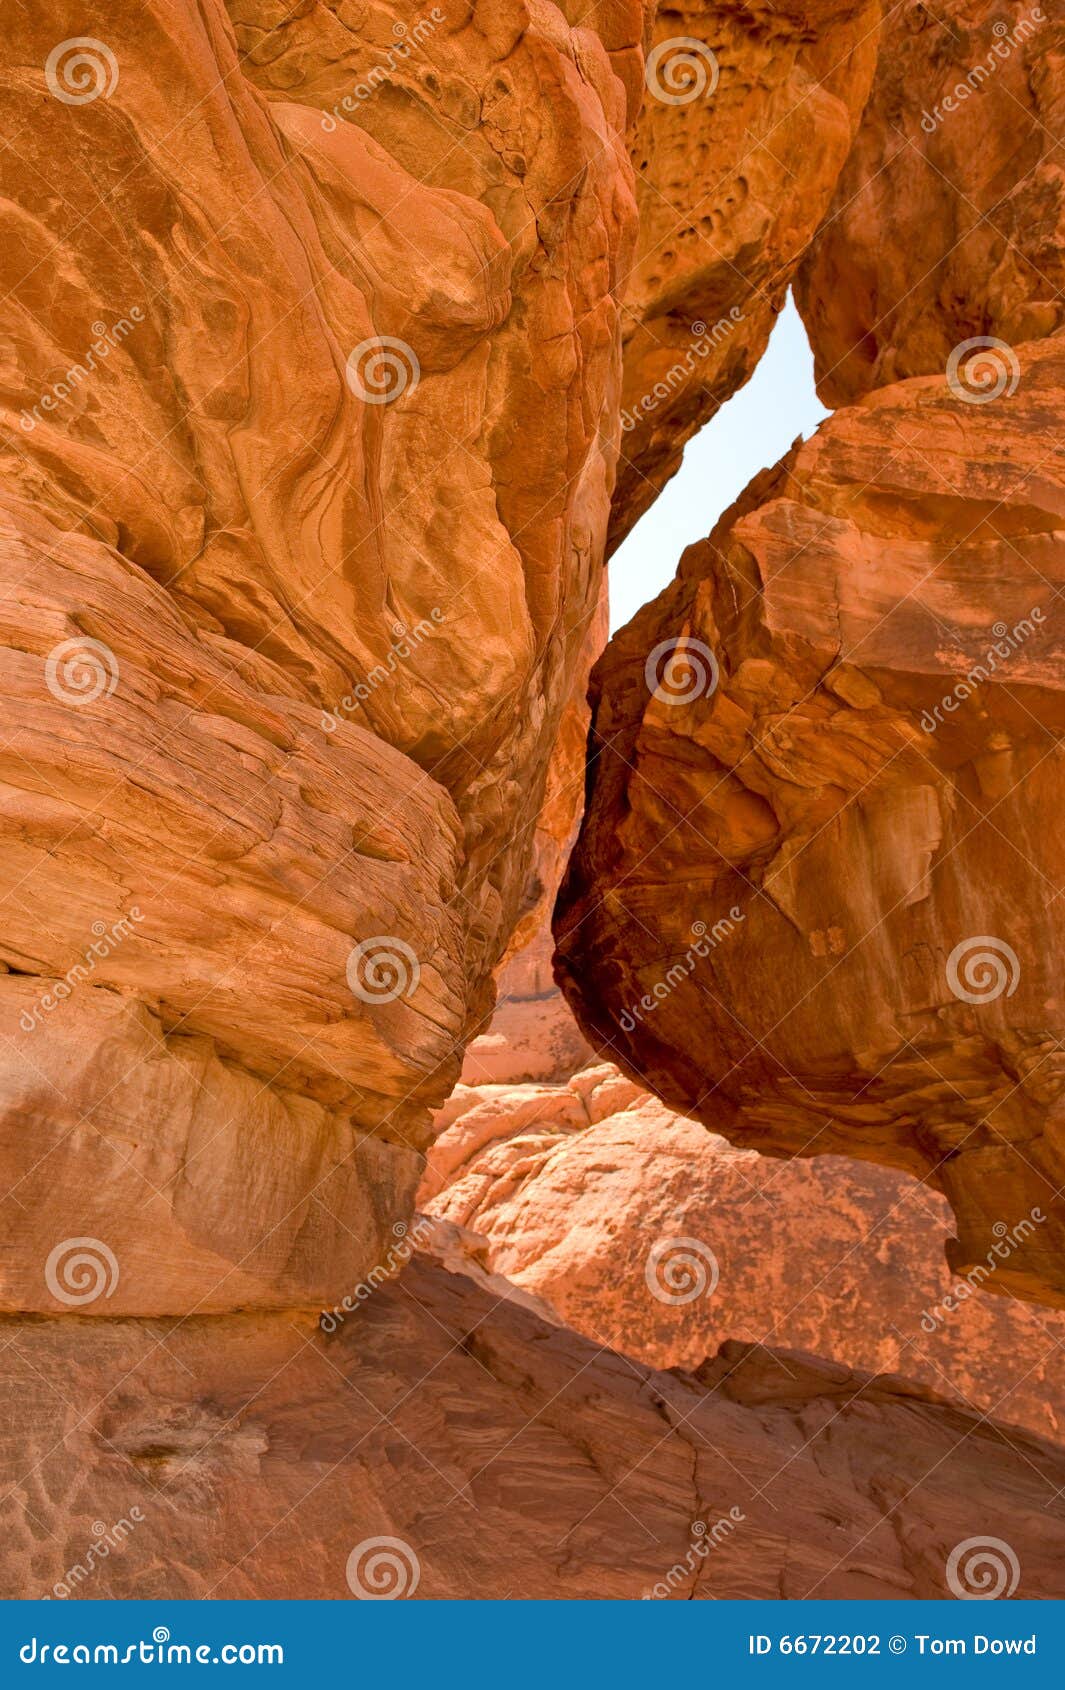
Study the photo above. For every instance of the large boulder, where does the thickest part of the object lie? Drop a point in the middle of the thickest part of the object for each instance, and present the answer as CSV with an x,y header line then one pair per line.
x,y
647,1233
816,898
311,351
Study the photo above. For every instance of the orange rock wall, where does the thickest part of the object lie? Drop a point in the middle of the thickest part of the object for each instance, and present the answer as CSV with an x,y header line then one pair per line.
x,y
814,901
311,374
648,1234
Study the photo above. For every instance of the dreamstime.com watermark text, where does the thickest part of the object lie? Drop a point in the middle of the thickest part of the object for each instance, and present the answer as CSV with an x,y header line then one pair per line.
x,y
399,1253
408,37
1008,40
1007,1240
65,388
706,341
157,1650
1007,641
705,940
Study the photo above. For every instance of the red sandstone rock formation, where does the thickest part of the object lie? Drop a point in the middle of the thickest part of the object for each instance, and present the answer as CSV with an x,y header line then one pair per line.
x,y
311,403
815,899
949,219
508,1457
532,1035
648,1234
749,115
312,363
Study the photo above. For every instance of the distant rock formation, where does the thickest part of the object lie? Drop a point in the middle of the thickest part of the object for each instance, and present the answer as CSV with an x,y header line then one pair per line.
x,y
648,1234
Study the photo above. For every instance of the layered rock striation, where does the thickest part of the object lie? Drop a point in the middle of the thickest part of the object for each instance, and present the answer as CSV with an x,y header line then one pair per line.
x,y
319,329
815,898
447,1442
311,372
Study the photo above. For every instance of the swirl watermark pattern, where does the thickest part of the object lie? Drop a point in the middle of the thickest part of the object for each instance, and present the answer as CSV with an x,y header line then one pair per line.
x,y
381,969
81,70
680,70
80,1270
80,671
382,369
982,369
382,1569
679,1270
982,1569
980,969
680,671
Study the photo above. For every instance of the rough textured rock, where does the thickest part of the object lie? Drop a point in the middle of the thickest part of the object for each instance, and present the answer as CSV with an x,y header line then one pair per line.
x,y
191,1185
555,827
948,222
749,114
566,1190
251,1455
311,361
815,899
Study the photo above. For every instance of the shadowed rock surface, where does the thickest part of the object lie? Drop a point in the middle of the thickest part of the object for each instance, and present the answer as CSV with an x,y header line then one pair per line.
x,y
815,901
510,1458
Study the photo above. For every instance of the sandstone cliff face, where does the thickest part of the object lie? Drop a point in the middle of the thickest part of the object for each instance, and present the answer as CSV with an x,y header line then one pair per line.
x,y
748,116
310,354
311,358
652,1236
814,902
948,222
449,1443
531,1034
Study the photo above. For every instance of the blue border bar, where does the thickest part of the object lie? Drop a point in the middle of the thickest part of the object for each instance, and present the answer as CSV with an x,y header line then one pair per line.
x,y
538,1645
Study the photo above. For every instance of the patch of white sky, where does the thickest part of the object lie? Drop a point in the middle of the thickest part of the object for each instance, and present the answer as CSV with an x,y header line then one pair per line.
x,y
750,432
